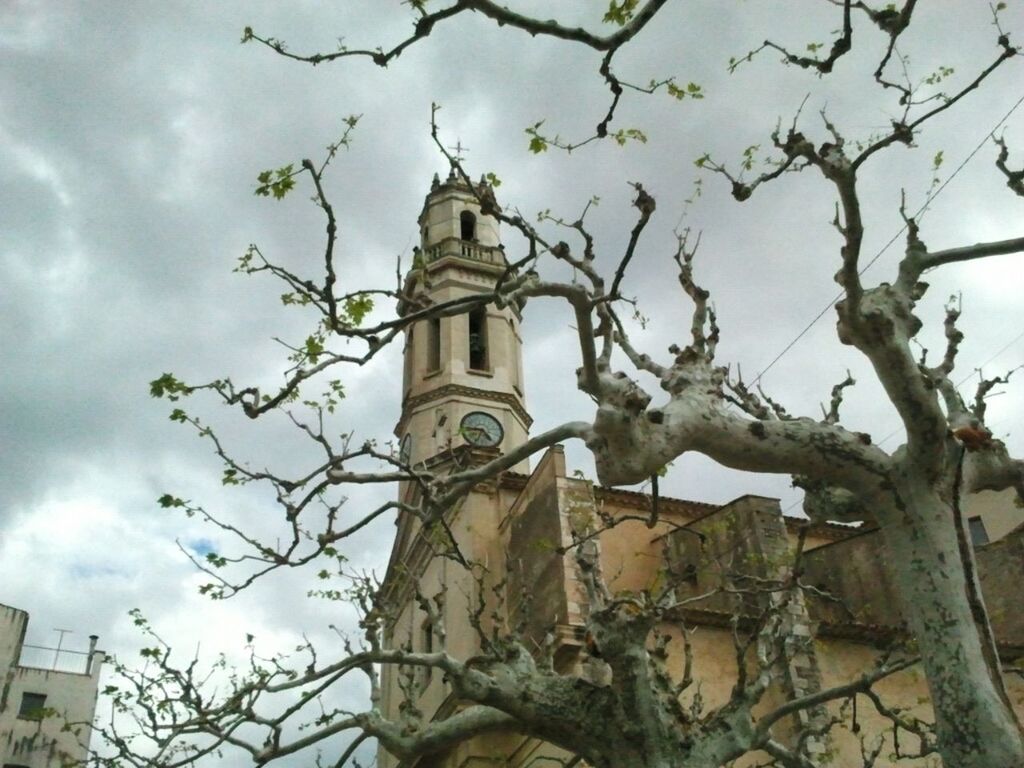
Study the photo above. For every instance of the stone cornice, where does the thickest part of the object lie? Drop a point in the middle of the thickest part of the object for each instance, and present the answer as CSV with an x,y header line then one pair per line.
x,y
449,390
642,501
453,263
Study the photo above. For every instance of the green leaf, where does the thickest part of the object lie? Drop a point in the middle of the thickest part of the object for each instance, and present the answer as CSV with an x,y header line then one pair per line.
x,y
357,307
216,560
748,156
276,182
692,91
620,12
538,143
245,260
626,134
314,348
169,386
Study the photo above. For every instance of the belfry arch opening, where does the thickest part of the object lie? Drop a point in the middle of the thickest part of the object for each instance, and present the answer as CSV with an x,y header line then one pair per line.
x,y
478,339
433,344
467,223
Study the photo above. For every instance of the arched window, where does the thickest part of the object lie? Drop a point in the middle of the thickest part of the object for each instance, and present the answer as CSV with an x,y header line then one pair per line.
x,y
468,222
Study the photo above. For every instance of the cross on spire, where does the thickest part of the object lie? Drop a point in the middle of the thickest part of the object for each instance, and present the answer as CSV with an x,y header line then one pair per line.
x,y
458,149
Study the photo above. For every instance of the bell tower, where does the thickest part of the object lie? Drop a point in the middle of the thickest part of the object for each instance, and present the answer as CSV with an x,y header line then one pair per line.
x,y
462,383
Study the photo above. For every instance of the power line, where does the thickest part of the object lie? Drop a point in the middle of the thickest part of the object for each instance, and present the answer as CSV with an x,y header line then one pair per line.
x,y
892,240
962,381
997,354
878,255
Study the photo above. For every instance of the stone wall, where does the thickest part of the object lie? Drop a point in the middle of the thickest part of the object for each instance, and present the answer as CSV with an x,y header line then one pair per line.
x,y
854,572
1001,569
737,544
537,574
536,571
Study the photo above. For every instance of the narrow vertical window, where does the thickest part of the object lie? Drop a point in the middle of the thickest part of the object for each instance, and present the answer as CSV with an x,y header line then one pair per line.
x,y
434,344
427,636
513,358
478,339
468,224
426,646
979,535
408,362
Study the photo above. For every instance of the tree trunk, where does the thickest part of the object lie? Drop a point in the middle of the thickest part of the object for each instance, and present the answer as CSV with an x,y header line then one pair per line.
x,y
976,726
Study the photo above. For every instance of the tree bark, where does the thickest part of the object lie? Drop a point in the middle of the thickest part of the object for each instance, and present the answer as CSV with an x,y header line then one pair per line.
x,y
975,725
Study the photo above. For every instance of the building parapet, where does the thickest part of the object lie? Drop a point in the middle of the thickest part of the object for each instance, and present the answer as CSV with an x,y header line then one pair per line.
x,y
453,246
57,659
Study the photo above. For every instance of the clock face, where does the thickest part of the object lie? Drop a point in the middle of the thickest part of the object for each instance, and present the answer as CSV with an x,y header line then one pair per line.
x,y
405,451
479,428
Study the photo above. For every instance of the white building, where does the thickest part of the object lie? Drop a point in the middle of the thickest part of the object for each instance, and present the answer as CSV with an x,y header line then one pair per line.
x,y
43,689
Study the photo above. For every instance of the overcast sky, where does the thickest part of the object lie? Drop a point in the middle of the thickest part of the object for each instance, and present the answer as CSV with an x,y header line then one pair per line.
x,y
131,135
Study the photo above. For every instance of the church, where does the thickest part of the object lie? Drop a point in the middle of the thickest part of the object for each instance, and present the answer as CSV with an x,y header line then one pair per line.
x,y
463,403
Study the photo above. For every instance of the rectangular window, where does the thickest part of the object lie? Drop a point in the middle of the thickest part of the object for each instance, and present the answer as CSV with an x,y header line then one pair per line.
x,y
32,705
426,646
478,339
979,535
427,636
514,359
434,344
408,366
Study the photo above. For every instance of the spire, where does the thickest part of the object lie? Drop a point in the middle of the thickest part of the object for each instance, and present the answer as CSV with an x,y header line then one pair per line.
x,y
463,379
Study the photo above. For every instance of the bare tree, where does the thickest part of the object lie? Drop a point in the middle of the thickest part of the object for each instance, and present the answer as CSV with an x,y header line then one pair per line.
x,y
913,494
